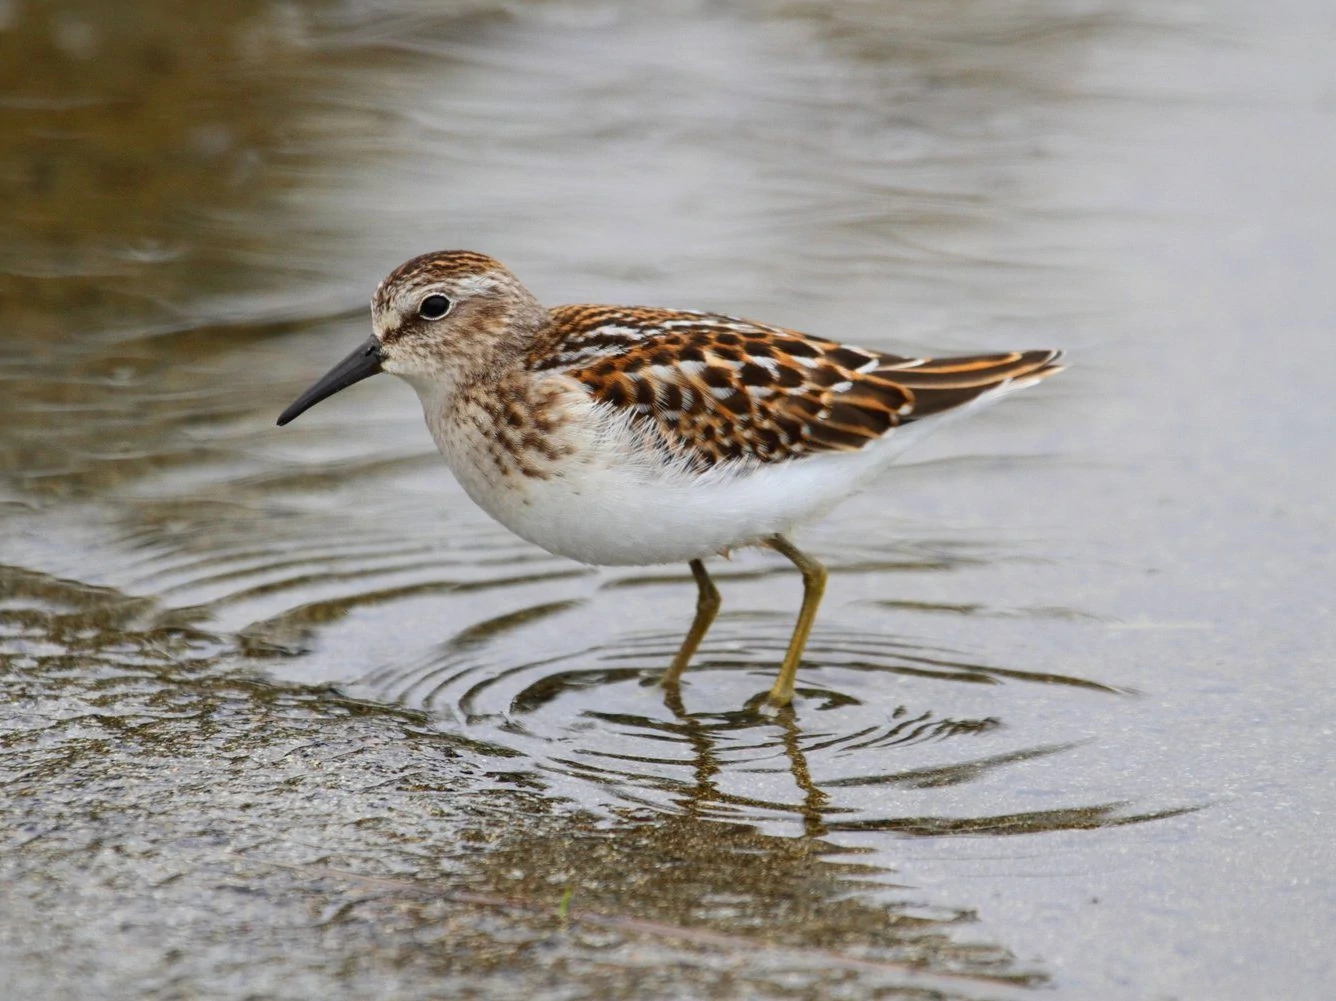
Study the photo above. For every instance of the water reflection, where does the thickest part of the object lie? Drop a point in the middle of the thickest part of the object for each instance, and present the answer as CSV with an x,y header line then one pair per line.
x,y
761,902
866,749
101,700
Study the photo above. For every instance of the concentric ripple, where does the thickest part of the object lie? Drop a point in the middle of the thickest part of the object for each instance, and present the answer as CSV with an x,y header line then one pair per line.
x,y
885,732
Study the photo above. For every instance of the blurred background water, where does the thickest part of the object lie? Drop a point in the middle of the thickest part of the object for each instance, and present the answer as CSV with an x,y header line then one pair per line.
x,y
282,715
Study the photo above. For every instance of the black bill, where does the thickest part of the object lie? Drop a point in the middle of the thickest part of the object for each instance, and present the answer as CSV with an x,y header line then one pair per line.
x,y
361,364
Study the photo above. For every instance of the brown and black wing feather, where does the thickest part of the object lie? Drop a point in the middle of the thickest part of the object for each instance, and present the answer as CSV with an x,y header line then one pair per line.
x,y
715,389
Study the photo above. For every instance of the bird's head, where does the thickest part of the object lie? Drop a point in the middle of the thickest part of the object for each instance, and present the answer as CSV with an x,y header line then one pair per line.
x,y
437,320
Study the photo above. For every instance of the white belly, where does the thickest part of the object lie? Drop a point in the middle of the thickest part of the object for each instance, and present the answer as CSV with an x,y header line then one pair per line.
x,y
610,516
602,511
606,504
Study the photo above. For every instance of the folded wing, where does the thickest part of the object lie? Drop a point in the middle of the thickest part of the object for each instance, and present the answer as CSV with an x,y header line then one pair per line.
x,y
711,389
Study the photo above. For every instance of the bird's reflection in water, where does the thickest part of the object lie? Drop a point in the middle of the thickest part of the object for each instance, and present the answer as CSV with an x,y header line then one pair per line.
x,y
691,846
864,746
705,765
821,815
696,806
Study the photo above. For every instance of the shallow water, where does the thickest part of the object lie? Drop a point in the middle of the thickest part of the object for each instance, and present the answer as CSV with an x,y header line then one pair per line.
x,y
283,715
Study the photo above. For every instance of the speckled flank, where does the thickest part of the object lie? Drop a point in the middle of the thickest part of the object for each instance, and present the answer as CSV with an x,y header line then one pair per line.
x,y
520,426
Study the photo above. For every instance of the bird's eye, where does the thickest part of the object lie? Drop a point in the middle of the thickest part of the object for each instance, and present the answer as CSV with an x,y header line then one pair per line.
x,y
433,307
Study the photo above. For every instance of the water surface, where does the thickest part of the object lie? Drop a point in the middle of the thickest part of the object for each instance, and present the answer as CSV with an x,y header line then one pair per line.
x,y
283,715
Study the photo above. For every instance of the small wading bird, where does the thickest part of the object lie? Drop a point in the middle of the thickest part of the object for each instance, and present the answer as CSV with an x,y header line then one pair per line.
x,y
628,436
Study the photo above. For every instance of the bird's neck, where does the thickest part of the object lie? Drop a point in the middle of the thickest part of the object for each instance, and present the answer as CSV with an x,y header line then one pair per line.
x,y
544,340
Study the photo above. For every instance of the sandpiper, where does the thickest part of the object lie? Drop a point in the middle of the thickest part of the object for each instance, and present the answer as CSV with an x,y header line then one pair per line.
x,y
631,436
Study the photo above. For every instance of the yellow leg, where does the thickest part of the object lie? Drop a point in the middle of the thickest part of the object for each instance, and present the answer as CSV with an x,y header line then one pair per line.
x,y
814,586
707,606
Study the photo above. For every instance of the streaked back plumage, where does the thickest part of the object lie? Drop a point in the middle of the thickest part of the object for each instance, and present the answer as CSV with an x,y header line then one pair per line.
x,y
718,389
